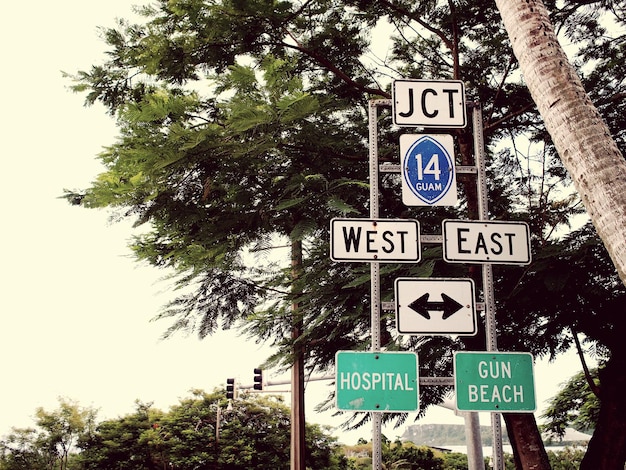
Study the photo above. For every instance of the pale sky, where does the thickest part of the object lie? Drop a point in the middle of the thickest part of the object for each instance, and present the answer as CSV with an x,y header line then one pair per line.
x,y
74,307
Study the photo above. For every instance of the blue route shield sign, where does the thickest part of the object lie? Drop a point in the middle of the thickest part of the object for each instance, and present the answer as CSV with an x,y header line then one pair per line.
x,y
428,174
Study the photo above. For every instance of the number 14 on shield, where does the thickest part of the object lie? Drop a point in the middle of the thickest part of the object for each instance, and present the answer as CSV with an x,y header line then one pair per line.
x,y
428,175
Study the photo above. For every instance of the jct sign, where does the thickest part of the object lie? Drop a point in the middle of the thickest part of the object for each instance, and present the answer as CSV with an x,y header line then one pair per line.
x,y
429,103
493,381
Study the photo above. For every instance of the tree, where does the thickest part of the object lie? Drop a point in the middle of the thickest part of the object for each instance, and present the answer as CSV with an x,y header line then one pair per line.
x,y
201,432
575,405
125,442
62,428
52,442
582,138
567,459
409,456
404,455
597,167
242,122
20,450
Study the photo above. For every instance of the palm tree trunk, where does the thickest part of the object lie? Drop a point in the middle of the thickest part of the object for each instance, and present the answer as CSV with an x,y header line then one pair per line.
x,y
581,137
598,170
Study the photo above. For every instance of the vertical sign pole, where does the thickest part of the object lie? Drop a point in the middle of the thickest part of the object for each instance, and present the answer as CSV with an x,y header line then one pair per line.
x,y
490,314
375,272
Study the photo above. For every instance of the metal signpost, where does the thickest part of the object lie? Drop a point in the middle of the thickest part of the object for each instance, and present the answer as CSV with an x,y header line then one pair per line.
x,y
376,381
375,307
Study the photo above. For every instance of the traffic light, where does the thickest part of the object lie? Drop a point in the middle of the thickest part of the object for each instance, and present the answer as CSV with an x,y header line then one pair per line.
x,y
258,379
231,388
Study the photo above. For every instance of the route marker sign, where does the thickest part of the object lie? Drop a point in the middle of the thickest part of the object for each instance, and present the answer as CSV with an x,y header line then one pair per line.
x,y
427,166
390,240
429,103
477,241
494,381
435,306
376,381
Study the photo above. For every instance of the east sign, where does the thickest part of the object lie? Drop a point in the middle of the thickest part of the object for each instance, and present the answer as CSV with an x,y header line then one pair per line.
x,y
475,241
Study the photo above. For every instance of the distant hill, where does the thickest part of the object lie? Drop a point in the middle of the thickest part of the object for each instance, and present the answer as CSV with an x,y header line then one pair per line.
x,y
446,435
454,435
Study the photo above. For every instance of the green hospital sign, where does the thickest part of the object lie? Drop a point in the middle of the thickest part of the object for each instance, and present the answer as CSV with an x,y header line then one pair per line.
x,y
376,381
494,381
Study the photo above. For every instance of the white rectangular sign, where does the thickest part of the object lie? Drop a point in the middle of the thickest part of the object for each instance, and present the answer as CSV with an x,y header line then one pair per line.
x,y
432,306
429,103
390,240
475,241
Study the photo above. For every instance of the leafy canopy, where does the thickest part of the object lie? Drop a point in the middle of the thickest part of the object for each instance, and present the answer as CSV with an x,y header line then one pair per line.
x,y
244,125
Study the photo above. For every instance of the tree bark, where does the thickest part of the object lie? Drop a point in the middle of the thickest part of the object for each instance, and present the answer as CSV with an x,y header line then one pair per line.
x,y
607,448
598,170
581,137
528,450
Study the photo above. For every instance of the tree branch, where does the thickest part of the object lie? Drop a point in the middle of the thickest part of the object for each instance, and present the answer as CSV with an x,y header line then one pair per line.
x,y
592,385
328,65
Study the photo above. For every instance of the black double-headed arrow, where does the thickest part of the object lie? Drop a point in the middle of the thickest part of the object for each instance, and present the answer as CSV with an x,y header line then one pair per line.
x,y
448,306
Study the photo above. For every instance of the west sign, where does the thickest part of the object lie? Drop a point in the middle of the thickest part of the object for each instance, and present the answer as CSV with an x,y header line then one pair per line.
x,y
368,240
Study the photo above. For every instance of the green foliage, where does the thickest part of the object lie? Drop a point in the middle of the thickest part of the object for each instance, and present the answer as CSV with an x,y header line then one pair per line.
x,y
409,456
243,123
200,432
51,443
575,405
131,441
406,455
400,455
23,450
455,461
568,459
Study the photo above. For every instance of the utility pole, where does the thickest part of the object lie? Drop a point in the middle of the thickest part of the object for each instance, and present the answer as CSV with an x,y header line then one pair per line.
x,y
297,369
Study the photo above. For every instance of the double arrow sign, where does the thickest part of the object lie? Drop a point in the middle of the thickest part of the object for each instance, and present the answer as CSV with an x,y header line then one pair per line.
x,y
431,306
448,306
419,310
